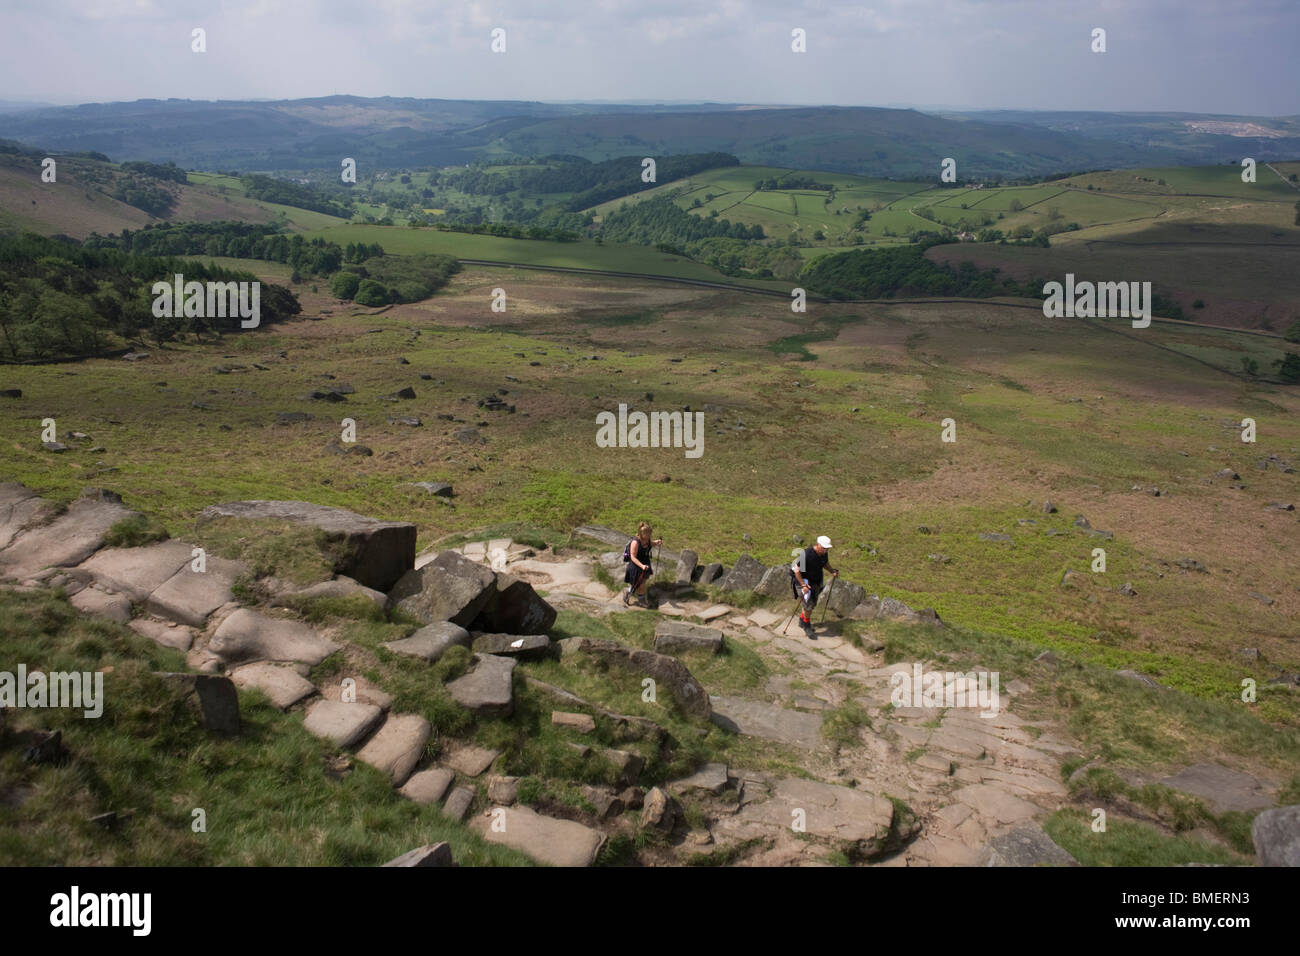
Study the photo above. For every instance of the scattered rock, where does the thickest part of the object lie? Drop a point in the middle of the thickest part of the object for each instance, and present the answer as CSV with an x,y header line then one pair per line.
x,y
745,576
431,641
213,699
1277,836
435,854
525,647
471,761
439,488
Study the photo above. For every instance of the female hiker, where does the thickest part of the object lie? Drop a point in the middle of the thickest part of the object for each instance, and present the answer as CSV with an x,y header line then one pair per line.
x,y
638,573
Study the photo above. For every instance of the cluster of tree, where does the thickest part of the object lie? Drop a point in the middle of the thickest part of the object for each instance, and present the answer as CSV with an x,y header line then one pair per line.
x,y
384,279
59,299
269,189
145,193
739,257
792,182
595,183
169,171
662,220
237,240
477,182
904,271
509,230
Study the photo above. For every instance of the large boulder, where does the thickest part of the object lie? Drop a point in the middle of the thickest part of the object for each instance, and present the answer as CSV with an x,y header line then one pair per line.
x,y
711,573
515,608
431,642
375,553
844,597
686,566
248,636
673,636
667,671
775,583
1277,836
451,587
745,576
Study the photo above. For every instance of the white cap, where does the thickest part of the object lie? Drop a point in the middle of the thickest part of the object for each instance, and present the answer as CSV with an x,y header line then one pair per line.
x,y
824,541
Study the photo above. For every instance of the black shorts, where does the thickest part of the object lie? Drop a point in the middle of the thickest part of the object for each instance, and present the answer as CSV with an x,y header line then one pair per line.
x,y
633,574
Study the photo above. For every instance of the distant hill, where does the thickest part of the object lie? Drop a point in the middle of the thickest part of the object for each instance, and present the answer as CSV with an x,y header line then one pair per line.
x,y
391,133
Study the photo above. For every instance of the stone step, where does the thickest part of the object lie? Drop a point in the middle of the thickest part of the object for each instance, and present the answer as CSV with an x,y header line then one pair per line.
x,y
396,746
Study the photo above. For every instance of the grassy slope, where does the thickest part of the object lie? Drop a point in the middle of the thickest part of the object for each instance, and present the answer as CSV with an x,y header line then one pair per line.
x,y
1006,375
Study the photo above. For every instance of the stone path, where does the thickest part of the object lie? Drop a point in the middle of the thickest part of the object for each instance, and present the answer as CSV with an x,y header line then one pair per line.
x,y
978,782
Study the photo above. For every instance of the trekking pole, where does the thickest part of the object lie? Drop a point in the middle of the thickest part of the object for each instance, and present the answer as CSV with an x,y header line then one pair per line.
x,y
827,606
792,614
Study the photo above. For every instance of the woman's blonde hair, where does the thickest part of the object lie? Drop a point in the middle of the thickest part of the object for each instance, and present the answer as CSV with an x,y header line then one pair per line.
x,y
643,530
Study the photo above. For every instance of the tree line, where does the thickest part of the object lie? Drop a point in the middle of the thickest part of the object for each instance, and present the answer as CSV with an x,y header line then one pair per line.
x,y
60,299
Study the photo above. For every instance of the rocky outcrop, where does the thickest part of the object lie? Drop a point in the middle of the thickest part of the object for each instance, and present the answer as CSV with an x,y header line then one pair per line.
x,y
375,553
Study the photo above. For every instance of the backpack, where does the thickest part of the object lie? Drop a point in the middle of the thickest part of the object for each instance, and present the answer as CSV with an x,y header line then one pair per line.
x,y
627,550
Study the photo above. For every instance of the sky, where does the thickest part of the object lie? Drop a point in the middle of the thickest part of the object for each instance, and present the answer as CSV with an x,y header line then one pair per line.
x,y
1203,56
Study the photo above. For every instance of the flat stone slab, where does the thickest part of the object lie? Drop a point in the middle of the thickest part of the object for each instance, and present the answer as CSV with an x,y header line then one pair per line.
x,y
340,587
115,607
247,636
994,804
190,596
68,540
283,685
172,635
138,572
714,612
488,688
428,786
758,719
435,854
20,509
471,761
345,725
431,641
762,617
512,645
829,812
1024,846
712,777
397,745
360,691
673,636
1221,788
545,839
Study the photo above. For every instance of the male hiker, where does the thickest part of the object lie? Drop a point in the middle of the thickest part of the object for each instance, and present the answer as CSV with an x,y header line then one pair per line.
x,y
807,570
